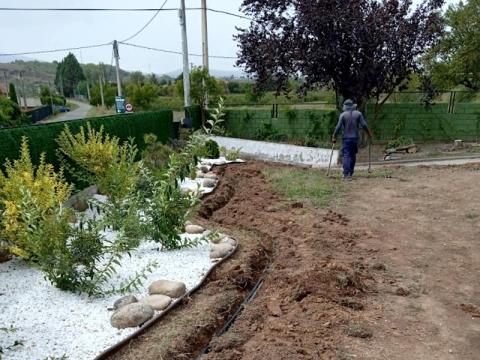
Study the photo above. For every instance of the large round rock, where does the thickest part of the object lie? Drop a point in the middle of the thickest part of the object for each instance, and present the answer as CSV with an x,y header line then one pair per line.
x,y
194,229
220,250
129,299
209,183
157,302
131,315
173,289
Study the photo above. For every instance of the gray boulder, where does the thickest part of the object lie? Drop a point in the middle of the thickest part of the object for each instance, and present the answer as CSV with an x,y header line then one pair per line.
x,y
125,300
230,241
131,315
157,302
173,289
220,250
209,183
211,175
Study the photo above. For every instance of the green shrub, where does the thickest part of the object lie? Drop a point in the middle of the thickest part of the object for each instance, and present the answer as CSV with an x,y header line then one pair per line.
x,y
269,133
32,198
165,206
399,142
35,226
42,137
232,154
100,159
210,150
156,155
10,113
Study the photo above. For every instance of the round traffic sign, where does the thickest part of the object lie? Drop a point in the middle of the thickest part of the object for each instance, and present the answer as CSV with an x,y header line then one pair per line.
x,y
128,107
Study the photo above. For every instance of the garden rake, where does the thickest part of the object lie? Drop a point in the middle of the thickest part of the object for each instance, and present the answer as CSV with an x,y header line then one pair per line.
x,y
330,163
370,155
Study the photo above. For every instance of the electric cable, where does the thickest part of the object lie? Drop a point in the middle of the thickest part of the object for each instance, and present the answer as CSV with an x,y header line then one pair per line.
x,y
56,50
176,52
146,25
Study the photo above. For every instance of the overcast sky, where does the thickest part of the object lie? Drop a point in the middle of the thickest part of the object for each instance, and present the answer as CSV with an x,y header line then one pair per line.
x,y
30,31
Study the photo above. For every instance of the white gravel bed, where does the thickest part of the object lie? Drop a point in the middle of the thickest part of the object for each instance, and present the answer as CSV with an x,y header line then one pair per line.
x,y
51,322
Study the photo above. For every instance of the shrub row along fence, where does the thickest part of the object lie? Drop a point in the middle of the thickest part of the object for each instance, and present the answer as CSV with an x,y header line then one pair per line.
x,y
439,122
42,138
314,127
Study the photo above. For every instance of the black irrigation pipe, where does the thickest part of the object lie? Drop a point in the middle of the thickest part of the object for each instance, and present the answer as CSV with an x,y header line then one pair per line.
x,y
114,348
251,295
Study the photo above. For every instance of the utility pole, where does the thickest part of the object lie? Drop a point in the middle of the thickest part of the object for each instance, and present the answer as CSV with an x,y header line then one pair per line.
x,y
100,81
51,97
117,57
6,82
23,91
88,90
204,35
186,72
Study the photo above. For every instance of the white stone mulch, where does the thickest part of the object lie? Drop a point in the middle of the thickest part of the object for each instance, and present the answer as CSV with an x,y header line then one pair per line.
x,y
54,323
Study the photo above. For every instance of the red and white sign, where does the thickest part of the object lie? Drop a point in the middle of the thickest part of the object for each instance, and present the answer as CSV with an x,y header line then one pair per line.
x,y
129,107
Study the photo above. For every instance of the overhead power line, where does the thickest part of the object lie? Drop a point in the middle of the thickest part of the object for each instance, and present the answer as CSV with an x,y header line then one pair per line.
x,y
86,9
148,23
57,50
175,52
124,10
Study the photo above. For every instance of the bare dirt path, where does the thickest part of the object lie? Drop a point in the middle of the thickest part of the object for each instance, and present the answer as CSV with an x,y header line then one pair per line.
x,y
425,224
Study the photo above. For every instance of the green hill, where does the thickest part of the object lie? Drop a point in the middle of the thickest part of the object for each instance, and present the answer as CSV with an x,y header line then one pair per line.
x,y
36,73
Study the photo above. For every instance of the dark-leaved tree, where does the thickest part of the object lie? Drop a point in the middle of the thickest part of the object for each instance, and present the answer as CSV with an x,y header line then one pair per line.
x,y
69,74
360,48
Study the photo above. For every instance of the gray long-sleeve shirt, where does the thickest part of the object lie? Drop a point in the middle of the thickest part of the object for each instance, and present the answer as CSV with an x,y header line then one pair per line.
x,y
350,121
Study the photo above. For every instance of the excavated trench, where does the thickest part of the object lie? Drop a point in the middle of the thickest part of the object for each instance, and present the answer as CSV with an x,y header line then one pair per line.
x,y
273,297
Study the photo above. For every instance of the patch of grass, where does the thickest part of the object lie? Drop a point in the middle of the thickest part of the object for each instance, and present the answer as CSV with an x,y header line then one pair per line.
x,y
414,309
305,185
375,173
358,330
471,216
71,105
97,111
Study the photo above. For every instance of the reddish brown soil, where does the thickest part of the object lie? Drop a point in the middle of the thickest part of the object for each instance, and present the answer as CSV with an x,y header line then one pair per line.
x,y
389,273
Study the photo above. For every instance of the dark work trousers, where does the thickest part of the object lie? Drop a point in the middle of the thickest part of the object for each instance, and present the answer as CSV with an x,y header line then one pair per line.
x,y
349,150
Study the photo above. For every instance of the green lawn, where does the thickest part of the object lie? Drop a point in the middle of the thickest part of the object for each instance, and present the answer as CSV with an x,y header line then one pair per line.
x,y
306,185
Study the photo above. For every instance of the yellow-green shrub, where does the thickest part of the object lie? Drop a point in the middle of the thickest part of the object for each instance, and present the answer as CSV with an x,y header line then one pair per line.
x,y
100,159
30,197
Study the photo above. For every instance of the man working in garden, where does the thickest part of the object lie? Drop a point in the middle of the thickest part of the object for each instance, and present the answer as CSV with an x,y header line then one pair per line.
x,y
350,120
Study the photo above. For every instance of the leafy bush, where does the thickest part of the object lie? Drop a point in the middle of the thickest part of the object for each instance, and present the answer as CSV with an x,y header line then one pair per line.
x,y
156,155
399,142
217,115
31,198
232,154
210,150
269,133
10,113
100,159
47,98
165,206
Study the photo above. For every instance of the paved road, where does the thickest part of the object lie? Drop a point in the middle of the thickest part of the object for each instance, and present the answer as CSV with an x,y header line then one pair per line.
x,y
79,113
